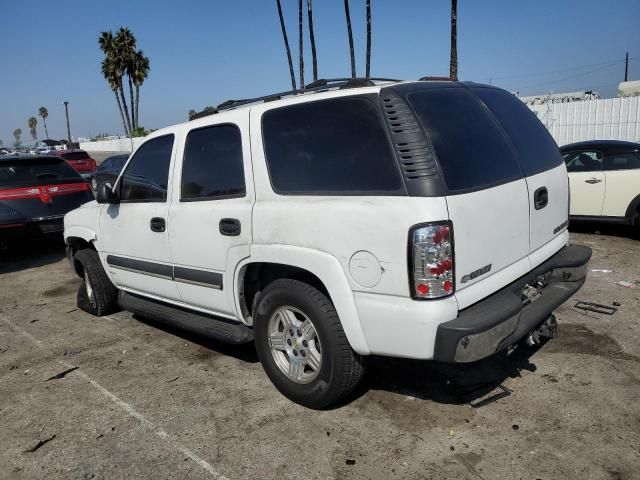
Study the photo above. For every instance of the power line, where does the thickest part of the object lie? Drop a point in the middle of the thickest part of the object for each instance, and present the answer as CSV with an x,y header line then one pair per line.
x,y
582,74
548,72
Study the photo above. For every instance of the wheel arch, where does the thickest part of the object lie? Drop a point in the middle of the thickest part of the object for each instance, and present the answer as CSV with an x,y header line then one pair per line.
x,y
78,238
633,208
320,269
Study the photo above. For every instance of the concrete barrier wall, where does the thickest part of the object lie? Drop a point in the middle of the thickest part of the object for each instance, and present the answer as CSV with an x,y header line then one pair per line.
x,y
602,119
118,145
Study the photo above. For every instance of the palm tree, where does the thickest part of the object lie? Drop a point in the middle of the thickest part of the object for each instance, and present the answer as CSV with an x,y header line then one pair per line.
x,y
116,65
286,46
453,65
368,62
350,32
32,122
300,44
312,39
141,67
16,134
109,73
44,113
126,44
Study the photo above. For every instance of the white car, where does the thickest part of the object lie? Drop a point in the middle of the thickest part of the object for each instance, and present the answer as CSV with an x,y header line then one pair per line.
x,y
604,177
424,219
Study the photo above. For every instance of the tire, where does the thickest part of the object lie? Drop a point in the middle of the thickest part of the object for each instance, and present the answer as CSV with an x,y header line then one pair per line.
x,y
339,368
94,184
635,228
96,295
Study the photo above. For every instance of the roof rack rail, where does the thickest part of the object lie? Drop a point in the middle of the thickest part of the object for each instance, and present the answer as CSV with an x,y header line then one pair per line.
x,y
318,85
441,79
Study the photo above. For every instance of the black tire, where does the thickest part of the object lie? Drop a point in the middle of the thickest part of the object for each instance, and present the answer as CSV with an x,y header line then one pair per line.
x,y
635,227
341,368
103,298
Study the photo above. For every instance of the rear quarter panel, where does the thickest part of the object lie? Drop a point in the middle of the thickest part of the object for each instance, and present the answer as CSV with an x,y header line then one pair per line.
x,y
622,186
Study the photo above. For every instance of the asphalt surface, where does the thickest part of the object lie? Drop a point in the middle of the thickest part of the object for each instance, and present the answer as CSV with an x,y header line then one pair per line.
x,y
120,397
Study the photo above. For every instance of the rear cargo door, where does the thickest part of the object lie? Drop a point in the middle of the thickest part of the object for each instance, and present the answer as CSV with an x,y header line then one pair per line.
x,y
487,194
541,163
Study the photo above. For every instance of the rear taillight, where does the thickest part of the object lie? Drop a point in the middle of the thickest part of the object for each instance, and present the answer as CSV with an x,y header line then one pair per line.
x,y
431,260
44,193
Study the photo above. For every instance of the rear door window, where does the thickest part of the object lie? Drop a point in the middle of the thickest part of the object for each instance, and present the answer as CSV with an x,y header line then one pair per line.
x,y
622,161
472,151
213,166
535,147
326,147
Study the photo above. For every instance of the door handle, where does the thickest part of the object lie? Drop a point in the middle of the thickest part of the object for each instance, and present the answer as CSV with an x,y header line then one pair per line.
x,y
230,227
158,224
592,181
540,198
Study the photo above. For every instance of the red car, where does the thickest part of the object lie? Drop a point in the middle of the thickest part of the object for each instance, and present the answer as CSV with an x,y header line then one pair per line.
x,y
78,159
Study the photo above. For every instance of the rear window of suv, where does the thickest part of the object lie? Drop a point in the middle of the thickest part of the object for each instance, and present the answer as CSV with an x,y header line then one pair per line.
x,y
472,151
27,172
337,146
535,147
75,156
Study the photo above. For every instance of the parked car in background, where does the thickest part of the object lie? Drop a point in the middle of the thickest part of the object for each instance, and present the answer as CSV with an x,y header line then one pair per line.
x,y
108,170
35,194
604,178
425,220
43,150
78,159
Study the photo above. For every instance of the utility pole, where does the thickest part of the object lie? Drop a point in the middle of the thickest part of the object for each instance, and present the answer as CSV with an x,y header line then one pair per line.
x,y
66,111
626,66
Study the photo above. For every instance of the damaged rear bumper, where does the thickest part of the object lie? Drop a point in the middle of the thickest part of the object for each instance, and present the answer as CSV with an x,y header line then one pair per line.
x,y
510,314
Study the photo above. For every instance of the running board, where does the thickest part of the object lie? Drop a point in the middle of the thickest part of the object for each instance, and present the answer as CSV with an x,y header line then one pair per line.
x,y
203,324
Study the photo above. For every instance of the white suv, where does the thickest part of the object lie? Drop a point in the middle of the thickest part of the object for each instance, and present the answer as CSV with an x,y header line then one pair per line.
x,y
422,219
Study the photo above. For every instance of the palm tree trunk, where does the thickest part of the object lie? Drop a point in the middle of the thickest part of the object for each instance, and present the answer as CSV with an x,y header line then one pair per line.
x,y
286,46
44,120
368,62
312,39
300,44
350,32
137,104
453,66
124,107
124,123
133,118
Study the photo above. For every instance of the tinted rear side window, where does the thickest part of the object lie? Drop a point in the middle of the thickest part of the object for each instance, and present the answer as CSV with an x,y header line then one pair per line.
x,y
34,172
330,146
535,147
471,150
622,161
213,166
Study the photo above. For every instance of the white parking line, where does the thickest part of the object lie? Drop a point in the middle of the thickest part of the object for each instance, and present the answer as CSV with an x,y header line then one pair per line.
x,y
160,432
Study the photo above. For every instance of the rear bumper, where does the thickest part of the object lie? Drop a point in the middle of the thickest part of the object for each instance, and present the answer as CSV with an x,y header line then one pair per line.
x,y
504,318
32,227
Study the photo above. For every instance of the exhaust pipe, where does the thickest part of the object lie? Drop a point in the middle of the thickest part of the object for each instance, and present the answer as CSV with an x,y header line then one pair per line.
x,y
547,329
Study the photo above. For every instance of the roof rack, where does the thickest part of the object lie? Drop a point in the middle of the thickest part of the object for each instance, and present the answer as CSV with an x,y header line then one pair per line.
x,y
322,84
441,79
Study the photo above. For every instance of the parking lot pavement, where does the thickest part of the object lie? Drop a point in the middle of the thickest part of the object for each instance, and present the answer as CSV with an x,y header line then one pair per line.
x,y
120,397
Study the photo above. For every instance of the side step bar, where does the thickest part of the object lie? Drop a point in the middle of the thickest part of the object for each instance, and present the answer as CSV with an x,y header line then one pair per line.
x,y
203,324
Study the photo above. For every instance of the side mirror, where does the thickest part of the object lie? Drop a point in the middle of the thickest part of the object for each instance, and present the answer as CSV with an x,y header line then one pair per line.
x,y
106,194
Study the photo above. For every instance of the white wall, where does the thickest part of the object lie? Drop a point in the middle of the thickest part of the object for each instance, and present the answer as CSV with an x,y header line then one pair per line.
x,y
117,145
602,119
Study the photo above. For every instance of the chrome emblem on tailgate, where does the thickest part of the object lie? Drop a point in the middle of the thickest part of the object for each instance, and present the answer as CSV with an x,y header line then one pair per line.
x,y
476,273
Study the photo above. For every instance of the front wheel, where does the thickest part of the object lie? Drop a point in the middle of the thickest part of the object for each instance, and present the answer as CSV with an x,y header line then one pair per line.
x,y
302,346
96,295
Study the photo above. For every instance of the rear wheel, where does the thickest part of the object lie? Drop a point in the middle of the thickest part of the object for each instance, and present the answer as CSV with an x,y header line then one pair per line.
x,y
94,184
302,346
96,295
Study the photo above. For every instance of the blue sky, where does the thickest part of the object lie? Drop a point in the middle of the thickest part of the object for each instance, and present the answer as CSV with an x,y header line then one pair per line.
x,y
204,52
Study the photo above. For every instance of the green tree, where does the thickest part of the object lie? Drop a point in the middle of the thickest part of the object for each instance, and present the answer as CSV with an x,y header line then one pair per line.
x,y
191,113
140,72
110,74
44,113
352,55
32,123
286,45
115,63
17,133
